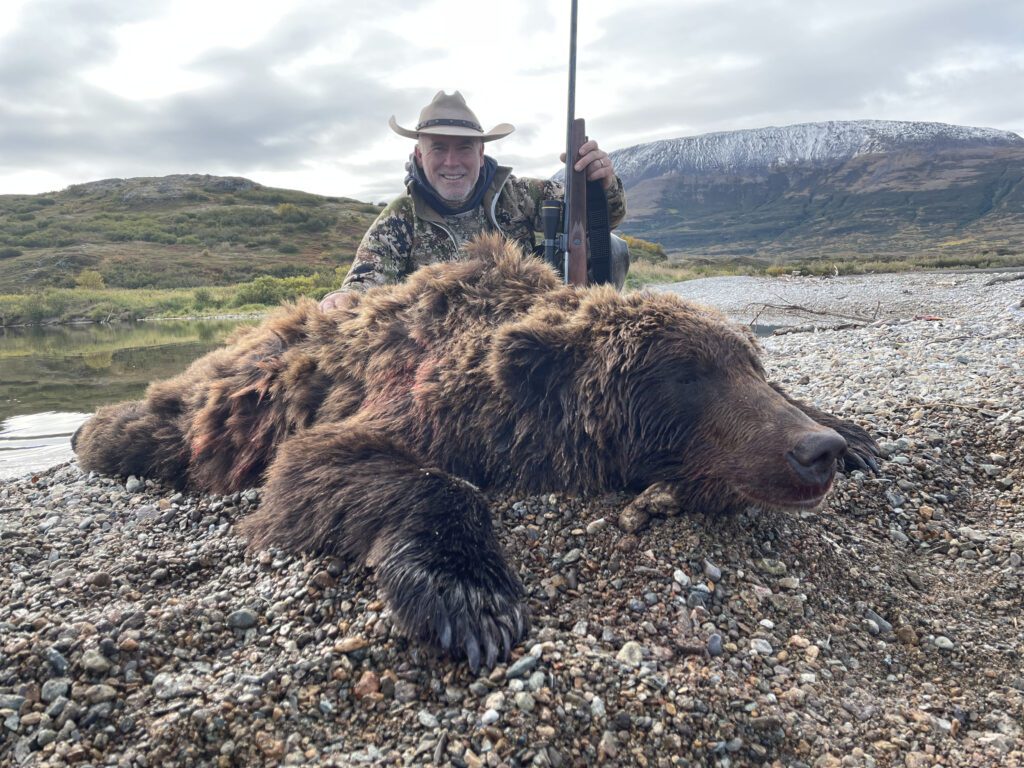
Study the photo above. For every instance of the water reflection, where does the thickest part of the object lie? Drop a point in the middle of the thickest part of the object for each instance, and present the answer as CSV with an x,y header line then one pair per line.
x,y
52,377
37,441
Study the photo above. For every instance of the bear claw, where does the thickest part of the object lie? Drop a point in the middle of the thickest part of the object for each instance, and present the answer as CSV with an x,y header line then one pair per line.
x,y
481,621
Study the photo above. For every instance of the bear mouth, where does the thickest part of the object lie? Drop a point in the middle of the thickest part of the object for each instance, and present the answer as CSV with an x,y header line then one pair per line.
x,y
790,497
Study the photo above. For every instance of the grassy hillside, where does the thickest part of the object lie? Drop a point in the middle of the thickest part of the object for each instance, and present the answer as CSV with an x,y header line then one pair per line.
x,y
173,232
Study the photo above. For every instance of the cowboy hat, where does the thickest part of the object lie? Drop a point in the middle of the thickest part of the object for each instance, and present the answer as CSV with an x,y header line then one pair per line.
x,y
449,116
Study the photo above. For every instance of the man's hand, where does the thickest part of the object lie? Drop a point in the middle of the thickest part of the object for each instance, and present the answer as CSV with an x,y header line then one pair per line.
x,y
596,162
337,300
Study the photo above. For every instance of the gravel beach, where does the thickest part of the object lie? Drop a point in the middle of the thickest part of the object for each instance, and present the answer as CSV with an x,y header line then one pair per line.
x,y
884,629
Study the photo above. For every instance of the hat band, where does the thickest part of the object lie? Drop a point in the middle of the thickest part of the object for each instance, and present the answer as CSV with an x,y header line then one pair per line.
x,y
451,122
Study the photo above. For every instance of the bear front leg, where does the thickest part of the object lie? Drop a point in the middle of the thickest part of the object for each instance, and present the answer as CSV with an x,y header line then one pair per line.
x,y
861,449
428,535
133,438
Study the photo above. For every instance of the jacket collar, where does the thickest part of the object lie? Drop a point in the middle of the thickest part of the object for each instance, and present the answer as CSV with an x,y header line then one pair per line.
x,y
424,211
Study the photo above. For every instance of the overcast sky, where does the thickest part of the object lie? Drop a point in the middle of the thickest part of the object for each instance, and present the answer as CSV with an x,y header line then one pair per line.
x,y
297,94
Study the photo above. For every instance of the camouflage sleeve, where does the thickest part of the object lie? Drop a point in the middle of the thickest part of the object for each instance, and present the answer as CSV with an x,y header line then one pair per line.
x,y
539,190
384,255
616,203
533,193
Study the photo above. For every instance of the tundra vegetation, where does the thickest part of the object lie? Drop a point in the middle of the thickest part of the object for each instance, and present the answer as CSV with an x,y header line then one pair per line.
x,y
177,246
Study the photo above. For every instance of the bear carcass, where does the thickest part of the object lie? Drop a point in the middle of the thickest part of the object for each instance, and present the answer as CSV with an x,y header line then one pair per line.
x,y
374,428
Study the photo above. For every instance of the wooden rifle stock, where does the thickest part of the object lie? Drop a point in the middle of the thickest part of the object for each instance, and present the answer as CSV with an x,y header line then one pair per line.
x,y
576,208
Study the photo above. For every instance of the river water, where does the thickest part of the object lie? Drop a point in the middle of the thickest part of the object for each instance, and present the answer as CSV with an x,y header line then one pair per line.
x,y
52,378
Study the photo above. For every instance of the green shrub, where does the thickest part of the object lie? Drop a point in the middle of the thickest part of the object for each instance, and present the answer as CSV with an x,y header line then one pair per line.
x,y
10,253
202,298
89,278
290,212
643,250
273,290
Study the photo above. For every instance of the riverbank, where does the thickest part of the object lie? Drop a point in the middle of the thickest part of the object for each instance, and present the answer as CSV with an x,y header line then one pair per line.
x,y
64,306
881,630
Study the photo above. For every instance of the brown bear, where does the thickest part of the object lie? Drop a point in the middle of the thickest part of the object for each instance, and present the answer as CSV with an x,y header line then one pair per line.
x,y
373,428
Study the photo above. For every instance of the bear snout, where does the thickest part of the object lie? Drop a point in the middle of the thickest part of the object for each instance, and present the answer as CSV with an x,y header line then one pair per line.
x,y
814,458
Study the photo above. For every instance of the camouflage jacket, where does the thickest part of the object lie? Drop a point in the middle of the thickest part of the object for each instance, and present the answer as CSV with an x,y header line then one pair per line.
x,y
409,234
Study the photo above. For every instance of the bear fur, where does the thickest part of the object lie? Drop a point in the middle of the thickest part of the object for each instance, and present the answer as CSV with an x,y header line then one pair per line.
x,y
373,428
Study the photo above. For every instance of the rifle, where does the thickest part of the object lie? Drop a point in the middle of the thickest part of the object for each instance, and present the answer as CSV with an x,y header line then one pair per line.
x,y
579,226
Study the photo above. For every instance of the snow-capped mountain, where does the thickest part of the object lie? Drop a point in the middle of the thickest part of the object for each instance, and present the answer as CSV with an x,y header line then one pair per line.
x,y
873,188
827,142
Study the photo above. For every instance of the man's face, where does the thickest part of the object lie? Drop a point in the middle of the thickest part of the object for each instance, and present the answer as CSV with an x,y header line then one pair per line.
x,y
452,164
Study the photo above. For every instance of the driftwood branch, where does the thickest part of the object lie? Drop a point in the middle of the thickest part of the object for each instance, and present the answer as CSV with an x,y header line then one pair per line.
x,y
797,309
1006,278
963,406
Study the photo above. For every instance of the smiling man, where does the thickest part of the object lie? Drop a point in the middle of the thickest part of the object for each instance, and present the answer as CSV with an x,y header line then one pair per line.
x,y
453,192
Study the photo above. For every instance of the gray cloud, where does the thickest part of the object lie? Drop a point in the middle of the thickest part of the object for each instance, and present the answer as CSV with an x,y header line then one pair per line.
x,y
800,62
669,69
250,118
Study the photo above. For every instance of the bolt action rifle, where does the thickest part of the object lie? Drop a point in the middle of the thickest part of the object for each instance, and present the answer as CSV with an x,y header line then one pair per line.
x,y
577,235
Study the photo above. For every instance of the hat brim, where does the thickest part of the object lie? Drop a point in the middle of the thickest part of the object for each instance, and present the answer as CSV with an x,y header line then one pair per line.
x,y
499,131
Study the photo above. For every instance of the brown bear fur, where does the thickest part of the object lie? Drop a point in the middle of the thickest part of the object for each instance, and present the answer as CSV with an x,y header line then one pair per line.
x,y
373,427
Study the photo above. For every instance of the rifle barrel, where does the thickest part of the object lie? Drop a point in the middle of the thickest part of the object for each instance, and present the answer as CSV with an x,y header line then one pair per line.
x,y
570,159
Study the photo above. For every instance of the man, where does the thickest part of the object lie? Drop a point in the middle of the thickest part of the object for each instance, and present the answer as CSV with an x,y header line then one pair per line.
x,y
454,192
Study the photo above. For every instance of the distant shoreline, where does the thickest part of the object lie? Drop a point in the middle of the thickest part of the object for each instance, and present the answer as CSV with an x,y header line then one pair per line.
x,y
659,285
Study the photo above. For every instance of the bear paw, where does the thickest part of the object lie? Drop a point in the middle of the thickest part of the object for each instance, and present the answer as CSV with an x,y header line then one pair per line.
x,y
861,449
473,610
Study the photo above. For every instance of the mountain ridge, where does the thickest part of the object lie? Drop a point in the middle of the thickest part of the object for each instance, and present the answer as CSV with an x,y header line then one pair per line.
x,y
862,190
832,140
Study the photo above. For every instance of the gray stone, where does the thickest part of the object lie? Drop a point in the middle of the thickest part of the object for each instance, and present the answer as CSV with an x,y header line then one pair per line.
x,y
521,666
95,662
168,686
45,736
882,624
57,661
427,720
525,701
490,717
715,647
631,653
243,618
54,688
11,701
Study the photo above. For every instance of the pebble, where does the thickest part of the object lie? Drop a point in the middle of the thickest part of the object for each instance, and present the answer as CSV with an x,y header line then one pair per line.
x,y
427,720
57,661
95,662
11,701
490,717
52,689
881,624
99,579
521,666
525,701
243,618
631,654
761,646
715,646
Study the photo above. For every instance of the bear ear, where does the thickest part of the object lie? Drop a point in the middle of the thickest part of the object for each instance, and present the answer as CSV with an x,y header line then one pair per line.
x,y
529,361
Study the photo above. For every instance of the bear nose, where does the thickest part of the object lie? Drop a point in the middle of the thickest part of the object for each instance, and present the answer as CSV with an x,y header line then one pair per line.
x,y
813,458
